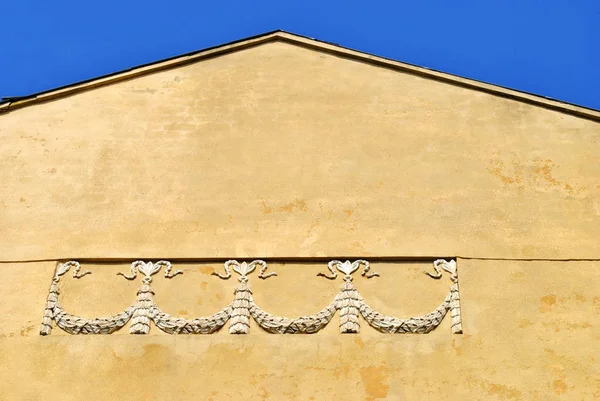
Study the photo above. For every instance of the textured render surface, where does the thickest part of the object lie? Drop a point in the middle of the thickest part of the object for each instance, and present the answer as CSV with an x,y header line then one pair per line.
x,y
528,336
281,151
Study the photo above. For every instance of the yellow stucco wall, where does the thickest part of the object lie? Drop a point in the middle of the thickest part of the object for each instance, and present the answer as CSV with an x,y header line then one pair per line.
x,y
283,152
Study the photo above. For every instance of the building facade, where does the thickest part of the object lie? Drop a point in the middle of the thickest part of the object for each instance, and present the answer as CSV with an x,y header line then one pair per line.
x,y
295,153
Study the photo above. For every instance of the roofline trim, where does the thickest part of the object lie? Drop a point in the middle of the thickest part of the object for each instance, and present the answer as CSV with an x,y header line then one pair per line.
x,y
311,43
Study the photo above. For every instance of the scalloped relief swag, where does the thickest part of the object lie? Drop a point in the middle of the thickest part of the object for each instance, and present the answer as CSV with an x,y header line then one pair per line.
x,y
348,302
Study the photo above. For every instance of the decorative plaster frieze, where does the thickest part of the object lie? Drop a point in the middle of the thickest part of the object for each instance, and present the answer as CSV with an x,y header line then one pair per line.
x,y
348,302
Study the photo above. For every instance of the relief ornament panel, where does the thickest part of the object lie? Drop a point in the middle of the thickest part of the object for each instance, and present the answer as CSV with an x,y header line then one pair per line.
x,y
348,302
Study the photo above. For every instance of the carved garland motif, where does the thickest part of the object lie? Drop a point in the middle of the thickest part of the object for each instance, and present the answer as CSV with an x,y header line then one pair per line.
x,y
348,302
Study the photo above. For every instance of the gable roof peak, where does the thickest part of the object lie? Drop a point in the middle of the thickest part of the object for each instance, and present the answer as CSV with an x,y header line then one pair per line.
x,y
11,103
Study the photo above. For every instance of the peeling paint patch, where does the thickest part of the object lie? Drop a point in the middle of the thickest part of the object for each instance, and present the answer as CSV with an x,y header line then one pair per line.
x,y
537,173
559,386
524,323
497,169
342,369
264,393
504,392
374,380
207,269
544,171
299,205
547,302
557,325
456,346
25,330
158,353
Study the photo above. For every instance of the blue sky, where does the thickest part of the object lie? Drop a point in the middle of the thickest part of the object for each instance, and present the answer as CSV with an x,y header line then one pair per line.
x,y
546,47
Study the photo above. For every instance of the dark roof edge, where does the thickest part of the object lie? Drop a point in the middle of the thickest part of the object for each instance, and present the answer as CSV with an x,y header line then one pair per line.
x,y
112,74
11,103
450,78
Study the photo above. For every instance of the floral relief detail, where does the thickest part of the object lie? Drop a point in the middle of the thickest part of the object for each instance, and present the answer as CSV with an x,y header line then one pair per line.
x,y
350,304
75,324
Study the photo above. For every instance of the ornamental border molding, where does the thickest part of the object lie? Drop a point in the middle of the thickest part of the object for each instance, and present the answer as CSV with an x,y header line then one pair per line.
x,y
348,302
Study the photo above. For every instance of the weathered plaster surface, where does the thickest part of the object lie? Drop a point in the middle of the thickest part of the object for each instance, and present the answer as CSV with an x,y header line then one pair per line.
x,y
280,151
283,151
